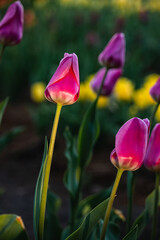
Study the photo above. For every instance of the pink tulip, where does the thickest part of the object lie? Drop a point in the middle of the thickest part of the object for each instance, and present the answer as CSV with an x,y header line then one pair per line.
x,y
130,145
155,91
113,56
109,83
11,26
152,158
64,86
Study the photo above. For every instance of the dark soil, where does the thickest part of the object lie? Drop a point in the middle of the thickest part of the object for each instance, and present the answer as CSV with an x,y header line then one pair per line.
x,y
21,160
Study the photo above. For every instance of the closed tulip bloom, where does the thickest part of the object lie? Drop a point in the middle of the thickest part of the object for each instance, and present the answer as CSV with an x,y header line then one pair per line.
x,y
109,83
155,91
113,56
130,144
152,158
11,26
64,86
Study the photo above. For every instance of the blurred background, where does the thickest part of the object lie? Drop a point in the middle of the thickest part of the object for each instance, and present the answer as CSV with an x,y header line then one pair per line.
x,y
51,28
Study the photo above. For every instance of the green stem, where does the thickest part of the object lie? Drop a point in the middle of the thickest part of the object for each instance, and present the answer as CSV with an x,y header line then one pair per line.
x,y
131,186
154,223
2,51
110,203
47,172
75,203
153,114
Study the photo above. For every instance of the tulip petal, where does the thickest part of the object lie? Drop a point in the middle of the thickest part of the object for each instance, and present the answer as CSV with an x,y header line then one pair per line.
x,y
155,91
11,26
113,56
152,158
131,143
63,87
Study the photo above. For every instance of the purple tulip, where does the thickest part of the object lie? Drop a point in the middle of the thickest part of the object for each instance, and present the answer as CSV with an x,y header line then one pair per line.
x,y
130,145
11,26
113,56
64,86
155,91
152,158
109,83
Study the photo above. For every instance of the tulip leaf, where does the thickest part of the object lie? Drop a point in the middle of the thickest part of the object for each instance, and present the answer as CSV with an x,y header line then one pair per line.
x,y
89,222
92,201
38,192
3,105
113,231
132,235
71,175
12,228
88,133
9,136
52,225
147,213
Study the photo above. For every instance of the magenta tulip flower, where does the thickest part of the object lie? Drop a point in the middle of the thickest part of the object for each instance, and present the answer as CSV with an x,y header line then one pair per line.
x,y
152,158
113,56
11,26
155,91
109,83
64,86
130,144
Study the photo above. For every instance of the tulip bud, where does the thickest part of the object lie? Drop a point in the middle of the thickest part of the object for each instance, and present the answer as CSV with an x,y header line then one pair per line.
x,y
155,91
11,26
64,86
131,144
152,158
109,83
113,56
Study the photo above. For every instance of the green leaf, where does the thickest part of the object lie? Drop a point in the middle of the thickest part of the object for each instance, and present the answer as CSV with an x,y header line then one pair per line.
x,y
142,221
9,136
92,201
12,228
89,222
3,105
52,226
132,235
38,192
88,134
113,231
71,176
144,217
150,202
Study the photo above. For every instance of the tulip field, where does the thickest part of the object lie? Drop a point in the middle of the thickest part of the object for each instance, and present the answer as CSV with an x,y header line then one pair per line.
x,y
80,120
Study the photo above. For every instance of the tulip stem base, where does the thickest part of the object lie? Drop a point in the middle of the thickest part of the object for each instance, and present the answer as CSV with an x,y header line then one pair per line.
x,y
154,223
2,51
110,203
47,172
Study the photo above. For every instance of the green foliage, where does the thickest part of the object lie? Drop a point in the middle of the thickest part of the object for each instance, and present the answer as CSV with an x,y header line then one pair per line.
x,y
89,222
52,225
88,134
9,136
92,201
38,192
70,178
12,228
132,235
3,105
147,213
